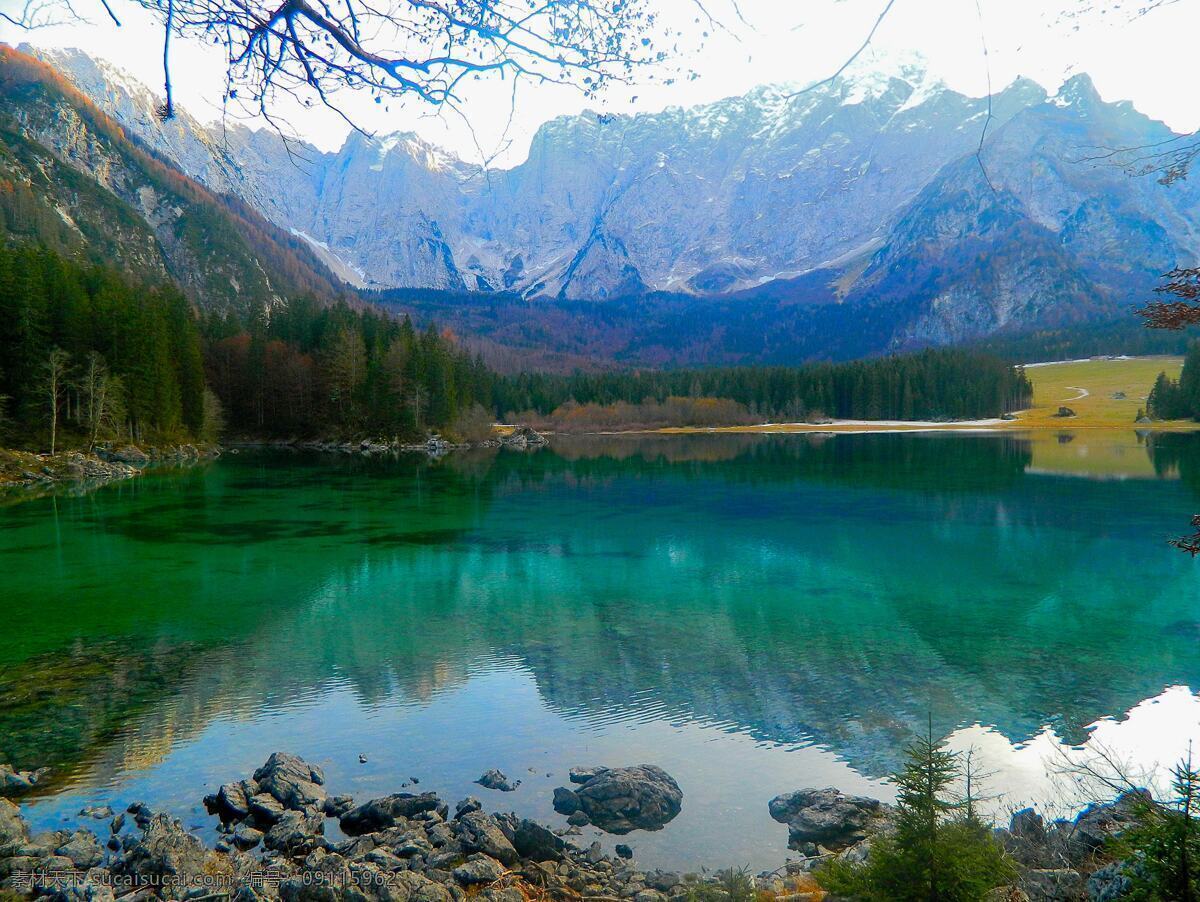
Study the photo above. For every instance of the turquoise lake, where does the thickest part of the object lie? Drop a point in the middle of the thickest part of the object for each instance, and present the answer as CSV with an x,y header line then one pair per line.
x,y
755,614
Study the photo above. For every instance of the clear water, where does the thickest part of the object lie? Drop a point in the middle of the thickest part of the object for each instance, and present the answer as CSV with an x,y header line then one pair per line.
x,y
754,614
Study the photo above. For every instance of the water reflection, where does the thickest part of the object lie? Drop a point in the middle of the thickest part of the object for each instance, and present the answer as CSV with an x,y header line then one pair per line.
x,y
755,613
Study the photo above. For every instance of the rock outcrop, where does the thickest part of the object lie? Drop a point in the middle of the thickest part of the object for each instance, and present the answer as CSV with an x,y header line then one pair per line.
x,y
622,799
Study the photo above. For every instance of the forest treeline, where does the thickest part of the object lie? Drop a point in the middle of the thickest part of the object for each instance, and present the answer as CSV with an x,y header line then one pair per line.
x,y
943,384
1178,399
88,353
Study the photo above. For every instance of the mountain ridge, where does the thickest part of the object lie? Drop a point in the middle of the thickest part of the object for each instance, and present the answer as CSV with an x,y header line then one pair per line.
x,y
861,217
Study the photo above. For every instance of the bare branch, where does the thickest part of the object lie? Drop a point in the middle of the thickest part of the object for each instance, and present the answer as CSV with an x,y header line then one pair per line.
x,y
855,55
987,65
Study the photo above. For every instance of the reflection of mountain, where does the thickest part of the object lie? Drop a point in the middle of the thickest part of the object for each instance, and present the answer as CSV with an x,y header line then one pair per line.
x,y
798,589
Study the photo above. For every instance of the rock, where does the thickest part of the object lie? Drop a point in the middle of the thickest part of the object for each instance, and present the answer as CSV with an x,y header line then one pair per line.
x,y
494,779
12,780
825,816
232,801
1052,884
117,823
295,833
83,849
265,808
480,833
1109,883
98,812
578,819
14,832
624,851
663,881
245,837
594,854
1027,824
1093,826
565,800
129,454
165,852
467,805
295,784
478,869
535,843
1006,894
524,437
649,895
380,813
581,775
336,806
621,799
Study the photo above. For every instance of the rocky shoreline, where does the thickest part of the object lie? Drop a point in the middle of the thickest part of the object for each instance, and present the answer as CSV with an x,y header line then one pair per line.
x,y
520,438
106,463
412,846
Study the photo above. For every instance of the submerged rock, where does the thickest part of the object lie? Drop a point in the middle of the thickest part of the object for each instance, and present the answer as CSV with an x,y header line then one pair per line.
x,y
825,816
494,779
621,799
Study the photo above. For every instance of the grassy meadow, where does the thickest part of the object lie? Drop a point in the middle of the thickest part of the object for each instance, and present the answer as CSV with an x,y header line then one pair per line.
x,y
1103,392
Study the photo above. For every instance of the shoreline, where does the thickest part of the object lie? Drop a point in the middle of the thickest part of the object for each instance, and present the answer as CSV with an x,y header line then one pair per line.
x,y
36,473
862,427
411,846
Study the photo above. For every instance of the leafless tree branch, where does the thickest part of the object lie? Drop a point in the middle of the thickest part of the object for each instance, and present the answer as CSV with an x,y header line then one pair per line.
x,y
855,55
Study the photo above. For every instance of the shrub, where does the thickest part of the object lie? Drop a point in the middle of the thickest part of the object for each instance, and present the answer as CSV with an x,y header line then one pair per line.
x,y
1162,848
939,849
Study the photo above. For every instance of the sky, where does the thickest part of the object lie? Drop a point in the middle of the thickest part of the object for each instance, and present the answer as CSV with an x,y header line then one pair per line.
x,y
1145,59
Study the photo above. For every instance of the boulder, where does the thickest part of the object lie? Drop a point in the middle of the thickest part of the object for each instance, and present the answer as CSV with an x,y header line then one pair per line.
x,y
129,454
477,832
467,805
581,775
336,806
294,783
14,833
16,781
1096,823
97,812
165,853
1109,883
83,849
265,808
232,801
565,800
494,779
1053,884
295,833
478,869
378,814
535,843
621,799
245,837
825,816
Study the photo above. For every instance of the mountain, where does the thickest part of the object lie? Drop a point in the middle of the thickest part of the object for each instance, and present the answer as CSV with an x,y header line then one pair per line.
x,y
71,179
847,220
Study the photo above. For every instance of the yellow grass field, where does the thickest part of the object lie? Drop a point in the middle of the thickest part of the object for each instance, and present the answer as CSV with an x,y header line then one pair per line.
x,y
1088,388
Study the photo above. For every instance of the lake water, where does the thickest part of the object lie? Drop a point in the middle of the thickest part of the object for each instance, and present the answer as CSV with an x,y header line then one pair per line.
x,y
754,614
